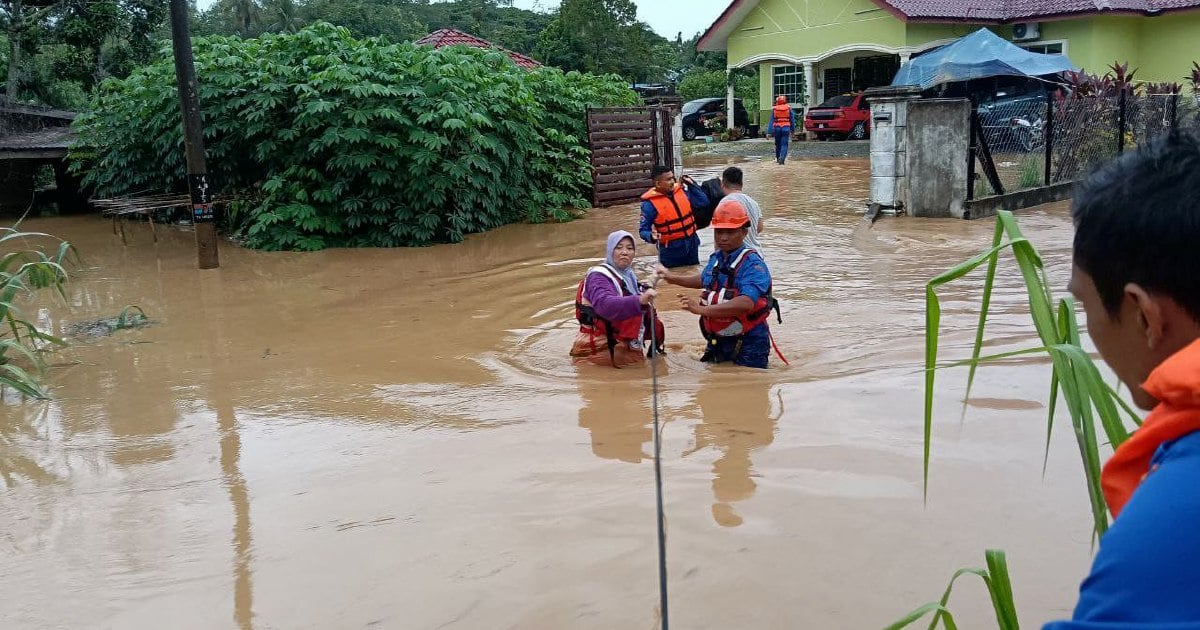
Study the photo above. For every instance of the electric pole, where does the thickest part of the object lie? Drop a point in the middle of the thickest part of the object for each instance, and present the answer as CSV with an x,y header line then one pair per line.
x,y
193,138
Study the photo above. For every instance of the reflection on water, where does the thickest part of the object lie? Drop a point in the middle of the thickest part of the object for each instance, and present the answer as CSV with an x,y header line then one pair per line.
x,y
735,426
397,438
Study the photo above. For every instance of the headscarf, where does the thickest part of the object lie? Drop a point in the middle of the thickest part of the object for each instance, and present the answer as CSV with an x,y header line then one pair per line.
x,y
627,275
780,100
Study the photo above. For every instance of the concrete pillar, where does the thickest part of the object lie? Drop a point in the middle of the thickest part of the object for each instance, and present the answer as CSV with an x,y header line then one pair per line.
x,y
889,162
937,140
730,117
810,86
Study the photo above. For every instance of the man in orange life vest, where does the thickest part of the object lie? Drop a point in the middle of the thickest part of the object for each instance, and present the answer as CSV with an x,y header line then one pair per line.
x,y
783,120
1137,226
737,299
667,218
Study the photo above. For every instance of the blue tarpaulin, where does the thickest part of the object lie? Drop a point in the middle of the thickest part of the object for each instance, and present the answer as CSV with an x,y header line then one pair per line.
x,y
979,55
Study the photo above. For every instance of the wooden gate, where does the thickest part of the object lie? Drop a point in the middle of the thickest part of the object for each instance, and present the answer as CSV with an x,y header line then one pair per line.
x,y
626,142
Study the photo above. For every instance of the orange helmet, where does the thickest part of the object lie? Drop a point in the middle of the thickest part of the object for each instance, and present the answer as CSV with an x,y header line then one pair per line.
x,y
729,215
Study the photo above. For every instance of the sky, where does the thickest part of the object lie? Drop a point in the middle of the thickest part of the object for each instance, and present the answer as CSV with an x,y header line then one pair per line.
x,y
666,17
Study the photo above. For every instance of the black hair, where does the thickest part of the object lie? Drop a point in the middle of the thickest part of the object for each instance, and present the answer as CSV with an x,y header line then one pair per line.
x,y
1137,219
659,170
732,175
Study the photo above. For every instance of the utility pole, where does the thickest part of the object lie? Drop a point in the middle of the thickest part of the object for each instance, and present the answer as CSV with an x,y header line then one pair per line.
x,y
193,138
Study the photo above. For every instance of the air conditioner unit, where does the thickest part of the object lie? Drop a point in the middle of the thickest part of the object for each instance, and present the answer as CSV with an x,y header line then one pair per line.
x,y
1025,32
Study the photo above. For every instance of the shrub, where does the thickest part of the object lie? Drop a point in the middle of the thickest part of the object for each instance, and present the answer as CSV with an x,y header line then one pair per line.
x,y
337,142
25,268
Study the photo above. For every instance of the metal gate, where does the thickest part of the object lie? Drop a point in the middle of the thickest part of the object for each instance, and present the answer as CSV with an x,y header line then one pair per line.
x,y
626,142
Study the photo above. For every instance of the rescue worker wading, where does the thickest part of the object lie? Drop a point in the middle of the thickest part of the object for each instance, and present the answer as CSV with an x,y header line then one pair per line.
x,y
737,299
668,220
612,309
783,120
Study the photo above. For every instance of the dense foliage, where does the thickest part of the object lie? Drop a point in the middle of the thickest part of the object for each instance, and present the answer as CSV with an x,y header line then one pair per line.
x,y
342,142
712,83
26,267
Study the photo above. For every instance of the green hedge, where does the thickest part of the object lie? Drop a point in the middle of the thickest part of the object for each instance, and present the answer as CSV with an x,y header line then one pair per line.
x,y
337,142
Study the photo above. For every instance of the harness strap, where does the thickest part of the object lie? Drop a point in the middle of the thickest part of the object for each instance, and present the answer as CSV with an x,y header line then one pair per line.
x,y
776,347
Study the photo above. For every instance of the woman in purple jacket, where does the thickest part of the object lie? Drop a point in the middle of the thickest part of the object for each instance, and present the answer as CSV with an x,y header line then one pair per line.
x,y
613,309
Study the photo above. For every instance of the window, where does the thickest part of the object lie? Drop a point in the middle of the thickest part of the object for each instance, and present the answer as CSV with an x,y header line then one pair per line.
x,y
1045,48
873,71
837,82
788,81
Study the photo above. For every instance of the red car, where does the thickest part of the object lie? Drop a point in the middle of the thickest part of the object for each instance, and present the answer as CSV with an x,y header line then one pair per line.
x,y
846,116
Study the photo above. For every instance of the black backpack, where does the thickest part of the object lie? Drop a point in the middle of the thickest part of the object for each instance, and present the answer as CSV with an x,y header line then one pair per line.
x,y
712,189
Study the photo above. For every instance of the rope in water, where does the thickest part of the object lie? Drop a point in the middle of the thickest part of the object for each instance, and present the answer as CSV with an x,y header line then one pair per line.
x,y
658,488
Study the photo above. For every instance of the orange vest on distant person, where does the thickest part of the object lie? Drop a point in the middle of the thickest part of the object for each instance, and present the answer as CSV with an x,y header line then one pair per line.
x,y
782,115
673,215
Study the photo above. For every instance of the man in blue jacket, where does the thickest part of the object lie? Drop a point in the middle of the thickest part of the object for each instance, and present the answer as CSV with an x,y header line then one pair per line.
x,y
668,220
1137,226
783,120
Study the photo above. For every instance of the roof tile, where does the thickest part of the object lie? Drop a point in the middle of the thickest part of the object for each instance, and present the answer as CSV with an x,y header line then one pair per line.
x,y
451,37
1016,10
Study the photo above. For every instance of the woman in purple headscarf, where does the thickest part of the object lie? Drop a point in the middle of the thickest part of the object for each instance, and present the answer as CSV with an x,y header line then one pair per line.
x,y
613,309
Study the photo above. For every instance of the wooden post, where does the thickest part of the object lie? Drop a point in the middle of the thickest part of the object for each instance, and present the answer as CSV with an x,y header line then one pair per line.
x,y
193,138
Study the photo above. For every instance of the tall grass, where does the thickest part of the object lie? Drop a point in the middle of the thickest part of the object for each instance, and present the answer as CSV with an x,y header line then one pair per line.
x,y
1032,173
1096,411
25,269
995,577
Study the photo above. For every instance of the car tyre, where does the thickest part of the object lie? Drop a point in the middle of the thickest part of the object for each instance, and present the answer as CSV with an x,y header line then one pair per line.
x,y
689,133
858,132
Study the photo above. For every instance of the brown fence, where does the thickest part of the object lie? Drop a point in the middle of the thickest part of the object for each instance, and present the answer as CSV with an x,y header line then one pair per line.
x,y
626,142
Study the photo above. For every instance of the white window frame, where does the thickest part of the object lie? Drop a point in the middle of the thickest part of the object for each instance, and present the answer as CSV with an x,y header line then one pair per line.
x,y
798,96
1045,42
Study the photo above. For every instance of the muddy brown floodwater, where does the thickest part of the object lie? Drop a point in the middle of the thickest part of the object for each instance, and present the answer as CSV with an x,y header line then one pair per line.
x,y
398,439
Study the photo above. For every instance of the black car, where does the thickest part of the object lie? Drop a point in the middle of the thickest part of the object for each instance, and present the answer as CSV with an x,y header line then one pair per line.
x,y
698,113
1012,110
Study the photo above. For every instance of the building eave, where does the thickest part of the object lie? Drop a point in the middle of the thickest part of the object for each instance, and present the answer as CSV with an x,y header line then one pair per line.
x,y
716,38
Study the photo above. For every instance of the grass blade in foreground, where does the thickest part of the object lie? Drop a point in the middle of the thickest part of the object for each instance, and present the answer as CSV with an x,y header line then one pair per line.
x,y
995,577
1087,396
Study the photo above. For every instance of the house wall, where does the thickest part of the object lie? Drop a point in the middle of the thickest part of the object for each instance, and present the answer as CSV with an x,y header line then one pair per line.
x,y
830,33
1169,45
807,30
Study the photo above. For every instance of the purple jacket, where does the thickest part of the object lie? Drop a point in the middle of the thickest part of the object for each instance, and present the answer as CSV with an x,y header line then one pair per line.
x,y
607,301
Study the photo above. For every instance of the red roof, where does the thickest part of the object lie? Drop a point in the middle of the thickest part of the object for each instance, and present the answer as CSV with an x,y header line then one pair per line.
x,y
972,11
1022,10
450,37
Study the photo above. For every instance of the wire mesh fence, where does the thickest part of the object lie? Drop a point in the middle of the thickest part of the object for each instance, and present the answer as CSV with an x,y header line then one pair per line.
x,y
1074,135
1187,114
1084,136
1016,136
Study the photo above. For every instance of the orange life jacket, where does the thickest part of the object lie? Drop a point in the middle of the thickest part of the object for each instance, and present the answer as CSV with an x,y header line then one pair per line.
x,y
595,326
713,327
782,115
674,217
1175,383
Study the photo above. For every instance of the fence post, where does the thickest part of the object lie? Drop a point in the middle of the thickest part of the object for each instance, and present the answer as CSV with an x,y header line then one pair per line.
x,y
1173,111
1121,103
1049,129
971,157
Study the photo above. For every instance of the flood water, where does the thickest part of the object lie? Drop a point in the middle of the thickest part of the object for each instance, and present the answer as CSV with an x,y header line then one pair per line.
x,y
398,439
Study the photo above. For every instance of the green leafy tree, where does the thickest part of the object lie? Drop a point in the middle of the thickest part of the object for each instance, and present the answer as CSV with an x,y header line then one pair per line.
x,y
709,84
106,37
601,36
22,22
333,141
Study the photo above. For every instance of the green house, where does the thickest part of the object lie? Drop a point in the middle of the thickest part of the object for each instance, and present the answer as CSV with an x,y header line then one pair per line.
x,y
809,50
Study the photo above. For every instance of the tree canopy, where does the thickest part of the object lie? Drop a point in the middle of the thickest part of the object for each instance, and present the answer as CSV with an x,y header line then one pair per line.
x,y
57,51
